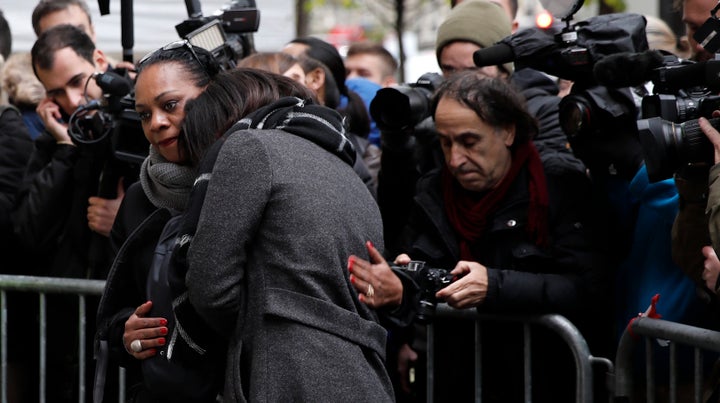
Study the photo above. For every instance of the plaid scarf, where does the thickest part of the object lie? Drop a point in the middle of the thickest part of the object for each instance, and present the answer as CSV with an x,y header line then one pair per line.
x,y
321,125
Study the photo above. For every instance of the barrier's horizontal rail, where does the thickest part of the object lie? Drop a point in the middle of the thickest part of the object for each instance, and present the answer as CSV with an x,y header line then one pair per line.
x,y
51,284
705,339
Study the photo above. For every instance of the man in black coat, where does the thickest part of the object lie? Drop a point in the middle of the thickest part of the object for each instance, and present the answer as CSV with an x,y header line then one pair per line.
x,y
59,217
517,236
57,213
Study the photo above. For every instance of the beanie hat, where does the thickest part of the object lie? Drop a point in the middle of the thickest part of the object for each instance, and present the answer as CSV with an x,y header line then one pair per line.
x,y
481,22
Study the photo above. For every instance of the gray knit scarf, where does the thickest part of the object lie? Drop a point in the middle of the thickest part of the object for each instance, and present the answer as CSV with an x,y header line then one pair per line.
x,y
166,184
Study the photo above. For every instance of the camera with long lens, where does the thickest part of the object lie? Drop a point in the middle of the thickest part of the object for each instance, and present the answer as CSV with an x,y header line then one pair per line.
x,y
670,134
593,116
227,34
429,281
669,145
401,107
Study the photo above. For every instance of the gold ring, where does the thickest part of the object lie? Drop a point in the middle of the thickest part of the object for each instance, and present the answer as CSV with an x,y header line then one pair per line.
x,y
371,291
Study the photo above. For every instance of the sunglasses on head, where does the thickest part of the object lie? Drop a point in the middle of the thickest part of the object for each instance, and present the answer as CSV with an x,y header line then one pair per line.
x,y
183,43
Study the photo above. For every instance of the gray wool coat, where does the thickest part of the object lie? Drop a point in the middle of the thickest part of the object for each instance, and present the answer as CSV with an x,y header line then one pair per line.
x,y
267,268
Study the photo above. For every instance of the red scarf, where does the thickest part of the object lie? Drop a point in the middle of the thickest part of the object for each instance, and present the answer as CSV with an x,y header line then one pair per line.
x,y
468,212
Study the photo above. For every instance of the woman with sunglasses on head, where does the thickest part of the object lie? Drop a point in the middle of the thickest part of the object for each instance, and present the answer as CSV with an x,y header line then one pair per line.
x,y
166,79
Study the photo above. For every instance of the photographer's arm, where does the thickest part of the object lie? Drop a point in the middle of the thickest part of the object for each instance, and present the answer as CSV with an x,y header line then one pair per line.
x,y
690,227
101,212
711,269
44,195
713,195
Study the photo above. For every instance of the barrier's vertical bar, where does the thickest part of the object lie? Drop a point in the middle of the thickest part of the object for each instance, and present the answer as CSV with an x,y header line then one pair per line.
x,y
43,347
478,361
698,375
430,387
81,348
3,345
527,362
673,373
650,370
121,382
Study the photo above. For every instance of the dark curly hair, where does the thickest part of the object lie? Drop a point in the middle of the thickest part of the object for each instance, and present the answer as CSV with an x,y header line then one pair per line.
x,y
494,101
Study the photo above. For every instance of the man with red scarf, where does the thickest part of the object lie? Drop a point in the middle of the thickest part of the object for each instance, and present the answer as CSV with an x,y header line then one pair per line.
x,y
518,239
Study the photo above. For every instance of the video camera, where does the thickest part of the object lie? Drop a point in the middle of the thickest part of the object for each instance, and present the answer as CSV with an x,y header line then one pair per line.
x,y
227,34
683,92
595,118
110,127
591,112
429,281
669,131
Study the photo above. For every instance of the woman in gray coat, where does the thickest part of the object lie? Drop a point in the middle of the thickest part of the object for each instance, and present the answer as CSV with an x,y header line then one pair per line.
x,y
283,212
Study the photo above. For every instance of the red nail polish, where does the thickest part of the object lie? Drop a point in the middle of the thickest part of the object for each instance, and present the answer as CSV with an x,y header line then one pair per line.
x,y
370,245
361,297
352,279
163,322
351,262
163,331
161,341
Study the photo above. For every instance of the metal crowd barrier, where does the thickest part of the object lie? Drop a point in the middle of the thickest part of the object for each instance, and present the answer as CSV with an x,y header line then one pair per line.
x,y
649,330
43,286
584,361
621,373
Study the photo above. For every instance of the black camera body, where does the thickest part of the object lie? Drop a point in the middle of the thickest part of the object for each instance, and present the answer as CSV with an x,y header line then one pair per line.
x,y
401,107
226,34
429,281
110,128
680,107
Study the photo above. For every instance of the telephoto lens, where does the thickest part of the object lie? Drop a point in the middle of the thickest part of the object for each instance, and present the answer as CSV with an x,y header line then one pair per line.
x,y
668,146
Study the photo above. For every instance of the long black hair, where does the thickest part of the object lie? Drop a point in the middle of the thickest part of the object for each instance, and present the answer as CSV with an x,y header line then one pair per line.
x,y
232,95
